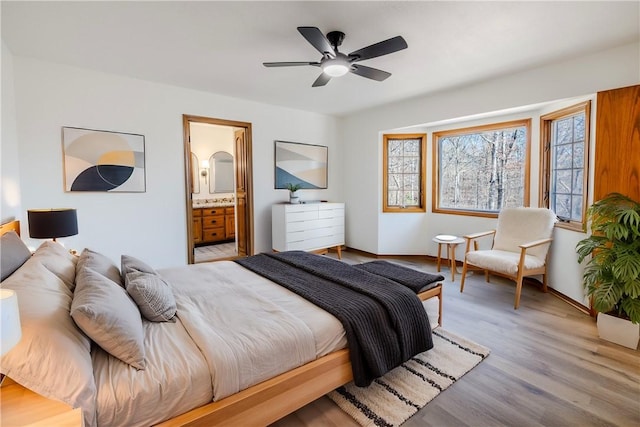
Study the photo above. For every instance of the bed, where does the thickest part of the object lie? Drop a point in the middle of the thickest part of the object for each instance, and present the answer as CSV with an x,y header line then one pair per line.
x,y
176,386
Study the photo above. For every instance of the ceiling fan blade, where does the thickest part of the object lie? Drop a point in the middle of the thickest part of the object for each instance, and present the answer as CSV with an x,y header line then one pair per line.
x,y
317,40
382,48
322,80
368,72
288,64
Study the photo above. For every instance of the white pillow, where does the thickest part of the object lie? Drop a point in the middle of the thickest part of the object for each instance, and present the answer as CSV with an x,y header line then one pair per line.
x,y
53,356
106,313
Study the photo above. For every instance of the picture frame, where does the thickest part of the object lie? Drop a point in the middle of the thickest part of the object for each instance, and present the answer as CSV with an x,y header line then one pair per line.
x,y
300,164
103,161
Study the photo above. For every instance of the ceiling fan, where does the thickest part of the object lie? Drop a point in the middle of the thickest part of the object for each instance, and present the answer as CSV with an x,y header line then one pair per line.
x,y
335,63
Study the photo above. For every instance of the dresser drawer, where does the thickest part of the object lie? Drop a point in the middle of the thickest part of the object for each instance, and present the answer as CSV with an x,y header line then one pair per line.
x,y
212,211
318,223
213,234
212,221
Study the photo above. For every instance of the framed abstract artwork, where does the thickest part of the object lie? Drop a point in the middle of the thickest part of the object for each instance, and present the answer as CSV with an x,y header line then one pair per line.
x,y
97,160
302,164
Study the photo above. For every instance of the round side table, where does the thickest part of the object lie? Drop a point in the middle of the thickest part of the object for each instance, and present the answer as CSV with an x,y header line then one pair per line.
x,y
451,242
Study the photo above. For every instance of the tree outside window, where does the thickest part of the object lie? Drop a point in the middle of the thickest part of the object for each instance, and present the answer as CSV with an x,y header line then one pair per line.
x,y
480,170
564,163
404,173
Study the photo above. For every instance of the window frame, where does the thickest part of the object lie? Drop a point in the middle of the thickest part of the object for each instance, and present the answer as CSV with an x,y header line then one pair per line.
x,y
546,128
422,172
476,129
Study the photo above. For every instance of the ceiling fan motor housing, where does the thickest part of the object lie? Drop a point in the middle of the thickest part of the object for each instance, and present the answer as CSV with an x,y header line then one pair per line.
x,y
335,38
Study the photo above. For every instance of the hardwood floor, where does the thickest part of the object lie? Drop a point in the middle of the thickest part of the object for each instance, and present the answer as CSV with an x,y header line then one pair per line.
x,y
547,365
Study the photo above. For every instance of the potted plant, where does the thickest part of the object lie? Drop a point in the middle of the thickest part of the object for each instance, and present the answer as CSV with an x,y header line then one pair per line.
x,y
612,275
293,196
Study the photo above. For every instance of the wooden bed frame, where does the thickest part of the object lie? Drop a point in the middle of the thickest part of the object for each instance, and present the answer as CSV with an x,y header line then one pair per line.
x,y
10,226
267,402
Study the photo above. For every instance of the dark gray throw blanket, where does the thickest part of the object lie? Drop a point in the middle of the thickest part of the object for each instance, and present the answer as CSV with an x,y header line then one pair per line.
x,y
385,323
415,280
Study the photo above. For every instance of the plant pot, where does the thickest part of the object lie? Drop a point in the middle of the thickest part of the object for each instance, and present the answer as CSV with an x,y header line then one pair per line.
x,y
293,198
619,331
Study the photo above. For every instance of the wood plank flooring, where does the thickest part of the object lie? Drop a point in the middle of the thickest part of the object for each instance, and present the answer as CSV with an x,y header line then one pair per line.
x,y
547,365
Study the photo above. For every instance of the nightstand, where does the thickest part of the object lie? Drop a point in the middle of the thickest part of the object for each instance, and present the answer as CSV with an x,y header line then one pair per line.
x,y
22,407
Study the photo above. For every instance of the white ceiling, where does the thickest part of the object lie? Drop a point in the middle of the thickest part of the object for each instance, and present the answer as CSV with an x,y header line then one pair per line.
x,y
220,46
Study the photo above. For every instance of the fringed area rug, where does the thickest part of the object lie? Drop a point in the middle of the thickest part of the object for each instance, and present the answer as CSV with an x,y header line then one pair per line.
x,y
393,398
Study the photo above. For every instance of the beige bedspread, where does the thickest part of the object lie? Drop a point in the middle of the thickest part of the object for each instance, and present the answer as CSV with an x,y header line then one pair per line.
x,y
225,340
247,328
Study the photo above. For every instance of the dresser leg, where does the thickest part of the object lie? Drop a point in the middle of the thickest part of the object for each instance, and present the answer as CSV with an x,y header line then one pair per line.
x,y
339,250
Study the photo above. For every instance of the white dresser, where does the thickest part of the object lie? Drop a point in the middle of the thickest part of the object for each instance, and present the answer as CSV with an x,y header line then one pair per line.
x,y
307,227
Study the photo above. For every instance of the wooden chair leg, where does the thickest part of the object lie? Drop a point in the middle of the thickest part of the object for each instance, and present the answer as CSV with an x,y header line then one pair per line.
x,y
486,276
544,282
464,274
518,290
440,306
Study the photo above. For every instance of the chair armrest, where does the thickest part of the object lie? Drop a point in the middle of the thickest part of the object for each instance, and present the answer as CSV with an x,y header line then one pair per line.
x,y
481,234
535,243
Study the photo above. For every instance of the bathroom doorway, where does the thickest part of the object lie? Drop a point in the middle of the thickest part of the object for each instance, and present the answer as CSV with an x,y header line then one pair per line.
x,y
218,182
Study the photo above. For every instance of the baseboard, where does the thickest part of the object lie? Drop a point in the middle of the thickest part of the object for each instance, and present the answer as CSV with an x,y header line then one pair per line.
x,y
407,257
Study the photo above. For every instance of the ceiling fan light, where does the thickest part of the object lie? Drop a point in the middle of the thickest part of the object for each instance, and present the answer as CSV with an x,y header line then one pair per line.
x,y
335,69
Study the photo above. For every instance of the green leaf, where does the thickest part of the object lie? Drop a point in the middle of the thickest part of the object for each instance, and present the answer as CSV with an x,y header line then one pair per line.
x,y
627,266
631,307
606,295
632,288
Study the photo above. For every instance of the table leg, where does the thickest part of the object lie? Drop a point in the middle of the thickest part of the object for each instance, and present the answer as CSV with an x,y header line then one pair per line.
x,y
439,253
452,259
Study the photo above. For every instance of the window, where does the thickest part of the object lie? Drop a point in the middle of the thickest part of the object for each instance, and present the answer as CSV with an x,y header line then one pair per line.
x,y
564,145
479,170
404,173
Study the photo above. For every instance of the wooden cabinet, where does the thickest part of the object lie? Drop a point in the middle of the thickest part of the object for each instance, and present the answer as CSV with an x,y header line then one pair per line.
x,y
212,225
308,227
21,406
230,223
197,226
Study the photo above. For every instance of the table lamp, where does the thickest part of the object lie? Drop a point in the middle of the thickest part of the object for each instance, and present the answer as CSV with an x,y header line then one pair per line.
x,y
10,325
52,223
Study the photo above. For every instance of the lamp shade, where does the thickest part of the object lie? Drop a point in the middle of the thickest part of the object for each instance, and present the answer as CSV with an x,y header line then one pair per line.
x,y
10,317
52,223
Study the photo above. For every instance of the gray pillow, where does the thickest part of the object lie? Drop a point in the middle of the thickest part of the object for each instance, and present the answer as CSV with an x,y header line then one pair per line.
x,y
53,356
59,261
130,264
14,253
100,264
105,312
152,295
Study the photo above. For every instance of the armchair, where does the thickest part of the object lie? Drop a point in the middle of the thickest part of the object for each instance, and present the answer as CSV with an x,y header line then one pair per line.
x,y
520,247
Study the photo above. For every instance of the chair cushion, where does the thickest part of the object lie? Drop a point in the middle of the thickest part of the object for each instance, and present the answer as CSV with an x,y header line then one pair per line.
x,y
522,225
502,261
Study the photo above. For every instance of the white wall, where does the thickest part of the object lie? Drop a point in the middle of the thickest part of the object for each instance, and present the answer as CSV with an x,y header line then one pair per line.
x,y
368,229
10,193
150,225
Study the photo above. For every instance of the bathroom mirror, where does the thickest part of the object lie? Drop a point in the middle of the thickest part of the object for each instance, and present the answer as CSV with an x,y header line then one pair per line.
x,y
222,174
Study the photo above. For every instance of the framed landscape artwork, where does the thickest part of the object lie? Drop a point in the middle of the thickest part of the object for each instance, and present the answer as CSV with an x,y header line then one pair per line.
x,y
96,160
302,164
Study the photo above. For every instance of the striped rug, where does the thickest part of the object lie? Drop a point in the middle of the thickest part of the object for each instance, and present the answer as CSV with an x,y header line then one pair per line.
x,y
393,398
